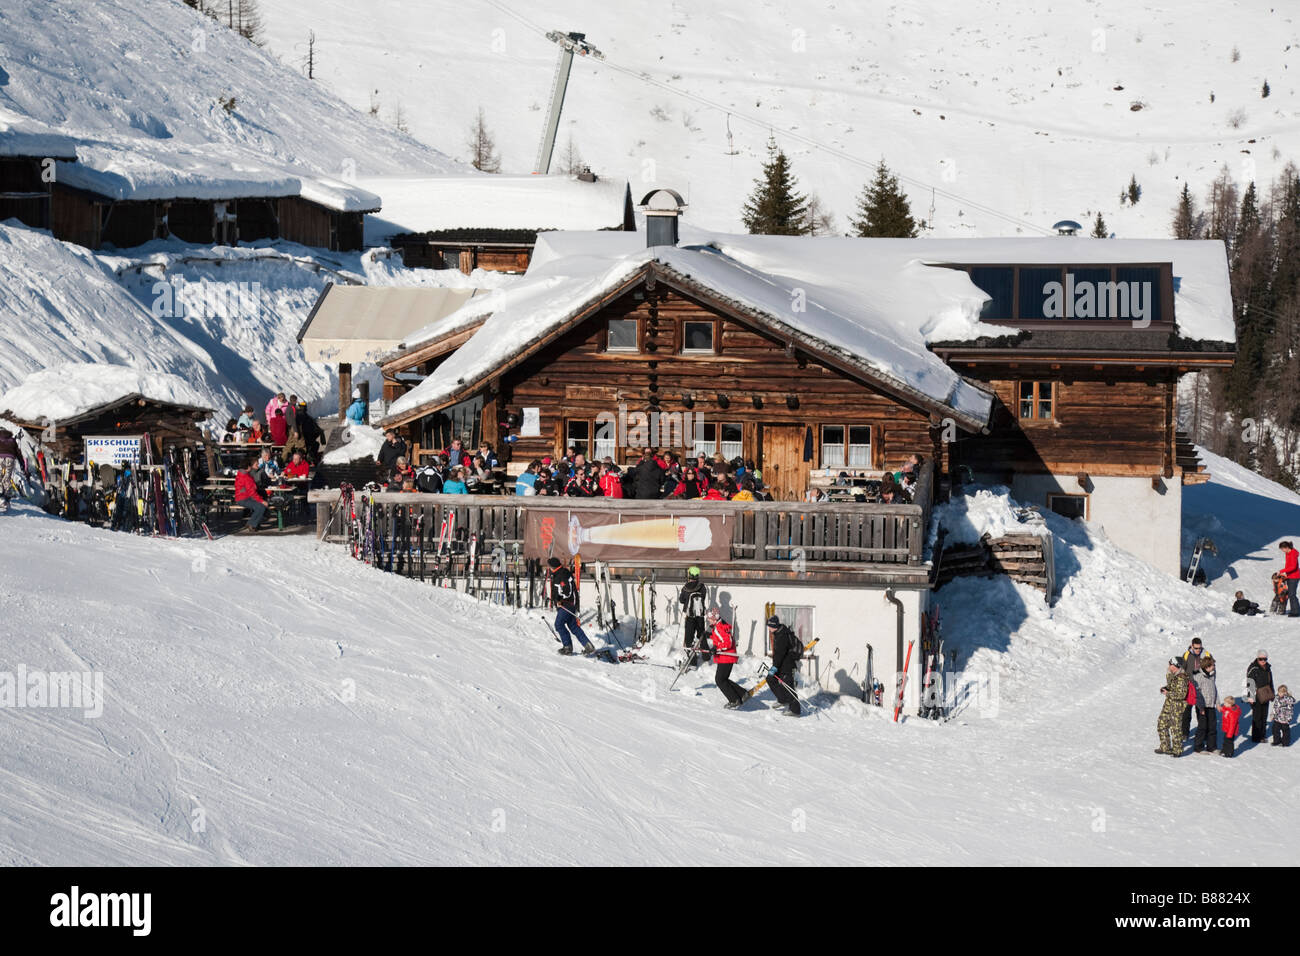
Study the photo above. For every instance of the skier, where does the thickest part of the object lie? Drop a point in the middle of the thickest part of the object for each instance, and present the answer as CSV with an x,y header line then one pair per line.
x,y
724,653
11,460
566,602
692,599
1283,711
1171,712
1291,573
1207,702
1259,677
784,656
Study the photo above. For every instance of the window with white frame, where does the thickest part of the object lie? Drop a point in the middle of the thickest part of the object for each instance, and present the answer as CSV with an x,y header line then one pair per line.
x,y
698,337
711,437
846,446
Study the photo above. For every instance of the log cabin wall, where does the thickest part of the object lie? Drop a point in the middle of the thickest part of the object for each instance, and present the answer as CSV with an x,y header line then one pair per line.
x,y
304,222
74,217
23,193
577,378
1118,426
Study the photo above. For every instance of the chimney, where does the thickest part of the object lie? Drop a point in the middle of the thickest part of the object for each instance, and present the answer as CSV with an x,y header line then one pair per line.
x,y
1067,227
662,207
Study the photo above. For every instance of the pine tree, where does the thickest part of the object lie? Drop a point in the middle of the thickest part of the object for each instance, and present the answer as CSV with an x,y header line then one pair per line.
x,y
1099,228
1251,273
1265,91
482,147
1134,191
774,207
883,210
1188,223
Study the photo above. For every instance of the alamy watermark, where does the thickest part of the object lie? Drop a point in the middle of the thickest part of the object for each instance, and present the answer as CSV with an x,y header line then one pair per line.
x,y
176,298
652,429
60,690
1085,299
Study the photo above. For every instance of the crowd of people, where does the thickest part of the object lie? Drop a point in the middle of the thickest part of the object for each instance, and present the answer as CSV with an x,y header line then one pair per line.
x,y
453,471
663,474
1191,684
287,425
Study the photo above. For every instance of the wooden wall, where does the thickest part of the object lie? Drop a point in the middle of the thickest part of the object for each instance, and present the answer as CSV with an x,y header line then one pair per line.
x,y
575,377
74,217
1115,426
304,222
127,224
20,176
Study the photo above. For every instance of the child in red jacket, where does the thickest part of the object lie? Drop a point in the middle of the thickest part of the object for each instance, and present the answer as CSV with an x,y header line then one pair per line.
x,y
724,655
247,496
1231,721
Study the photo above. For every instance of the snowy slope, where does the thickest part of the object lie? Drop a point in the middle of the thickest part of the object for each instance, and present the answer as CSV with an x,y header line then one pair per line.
x,y
272,702
226,320
140,81
1017,107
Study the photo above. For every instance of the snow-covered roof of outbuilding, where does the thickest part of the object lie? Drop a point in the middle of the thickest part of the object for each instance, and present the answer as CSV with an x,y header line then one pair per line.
x,y
523,203
75,390
23,136
148,170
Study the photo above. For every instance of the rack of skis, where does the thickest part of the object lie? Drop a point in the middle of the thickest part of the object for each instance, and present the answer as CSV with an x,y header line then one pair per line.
x,y
147,497
402,540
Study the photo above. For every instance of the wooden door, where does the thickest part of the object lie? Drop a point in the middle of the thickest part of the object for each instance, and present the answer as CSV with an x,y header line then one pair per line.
x,y
785,473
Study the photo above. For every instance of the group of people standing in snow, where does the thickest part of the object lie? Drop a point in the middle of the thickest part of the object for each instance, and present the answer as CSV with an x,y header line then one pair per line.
x,y
1191,683
706,636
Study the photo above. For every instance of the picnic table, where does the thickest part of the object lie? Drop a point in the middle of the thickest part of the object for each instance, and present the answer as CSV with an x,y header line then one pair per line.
x,y
286,494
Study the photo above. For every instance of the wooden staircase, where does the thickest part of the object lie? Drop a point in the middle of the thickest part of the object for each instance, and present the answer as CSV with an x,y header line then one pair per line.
x,y
1186,459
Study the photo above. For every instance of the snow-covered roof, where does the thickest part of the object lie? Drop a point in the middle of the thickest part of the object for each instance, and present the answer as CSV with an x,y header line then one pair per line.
x,y
73,390
146,170
360,323
442,203
874,303
880,329
24,136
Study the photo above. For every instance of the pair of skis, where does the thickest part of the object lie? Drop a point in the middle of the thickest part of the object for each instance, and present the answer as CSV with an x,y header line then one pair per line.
x,y
763,683
647,627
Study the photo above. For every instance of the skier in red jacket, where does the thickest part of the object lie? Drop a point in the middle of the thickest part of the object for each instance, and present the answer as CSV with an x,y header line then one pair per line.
x,y
1291,574
247,495
724,655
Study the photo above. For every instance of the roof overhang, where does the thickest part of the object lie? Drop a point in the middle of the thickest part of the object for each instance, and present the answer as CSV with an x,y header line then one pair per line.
x,y
367,323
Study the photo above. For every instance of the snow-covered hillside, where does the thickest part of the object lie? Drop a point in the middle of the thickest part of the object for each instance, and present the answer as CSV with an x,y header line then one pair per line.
x,y
145,79
224,319
275,702
1032,112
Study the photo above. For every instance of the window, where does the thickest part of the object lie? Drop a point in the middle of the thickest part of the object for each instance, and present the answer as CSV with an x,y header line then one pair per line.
x,y
999,283
622,336
577,435
697,337
1033,297
846,446
1143,285
711,438
1071,506
796,617
1036,400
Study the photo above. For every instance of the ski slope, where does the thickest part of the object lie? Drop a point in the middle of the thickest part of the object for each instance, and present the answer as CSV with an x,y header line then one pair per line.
x,y
1016,113
269,702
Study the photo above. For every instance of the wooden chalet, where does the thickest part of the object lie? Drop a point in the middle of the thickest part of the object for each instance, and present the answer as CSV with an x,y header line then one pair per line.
x,y
28,155
123,407
491,222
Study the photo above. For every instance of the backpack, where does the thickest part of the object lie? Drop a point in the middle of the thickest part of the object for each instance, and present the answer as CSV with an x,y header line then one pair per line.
x,y
796,645
1191,692
428,480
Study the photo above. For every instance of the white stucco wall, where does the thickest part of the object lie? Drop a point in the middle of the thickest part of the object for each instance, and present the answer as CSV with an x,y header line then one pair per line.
x,y
1133,515
846,619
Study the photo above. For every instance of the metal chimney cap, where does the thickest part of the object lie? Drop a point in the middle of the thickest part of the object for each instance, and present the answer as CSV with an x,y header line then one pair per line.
x,y
662,202
1067,227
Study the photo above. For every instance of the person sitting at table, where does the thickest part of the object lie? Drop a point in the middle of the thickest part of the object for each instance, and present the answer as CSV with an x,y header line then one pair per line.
x,y
479,475
456,454
266,470
408,485
746,492
298,467
455,483
401,471
246,419
489,456
229,433
247,495
255,434
392,449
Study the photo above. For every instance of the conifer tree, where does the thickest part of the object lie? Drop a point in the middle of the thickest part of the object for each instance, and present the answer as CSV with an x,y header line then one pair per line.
x,y
774,207
1187,222
1099,228
883,210
482,147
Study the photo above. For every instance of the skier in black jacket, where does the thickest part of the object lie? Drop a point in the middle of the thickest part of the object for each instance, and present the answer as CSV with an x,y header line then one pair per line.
x,y
1260,677
647,477
693,598
565,597
780,676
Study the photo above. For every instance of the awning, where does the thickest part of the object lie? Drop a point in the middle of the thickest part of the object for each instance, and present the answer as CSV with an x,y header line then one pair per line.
x,y
362,323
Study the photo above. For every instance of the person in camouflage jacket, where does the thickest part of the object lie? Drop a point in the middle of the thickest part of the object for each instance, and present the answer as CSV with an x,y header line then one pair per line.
x,y
1169,726
1283,711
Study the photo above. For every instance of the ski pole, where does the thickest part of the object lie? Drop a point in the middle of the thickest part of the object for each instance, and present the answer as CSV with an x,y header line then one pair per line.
x,y
815,710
